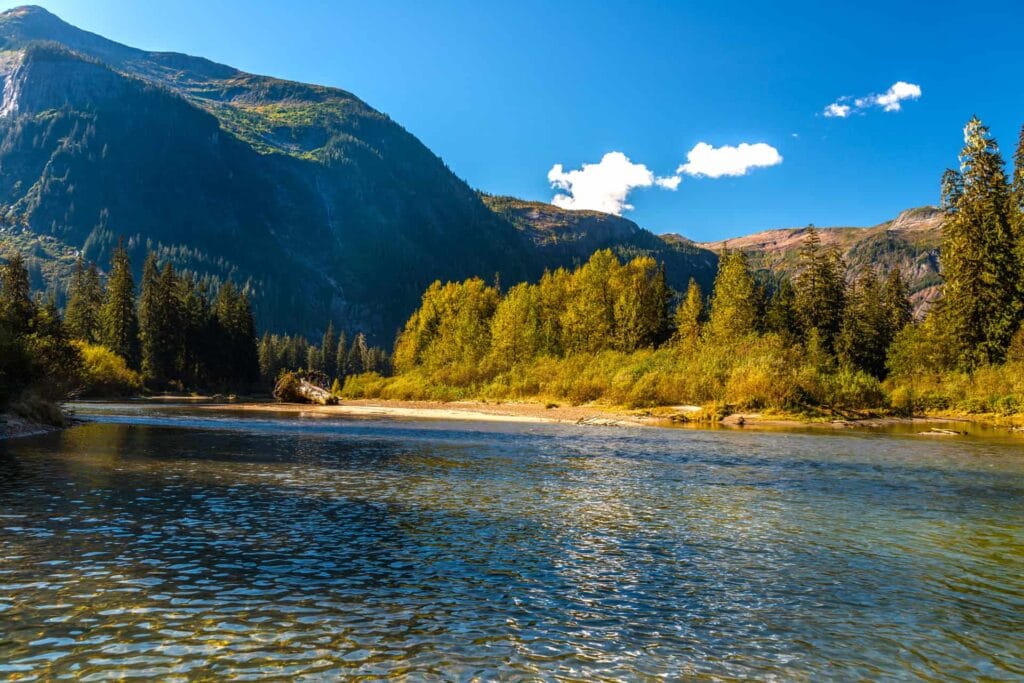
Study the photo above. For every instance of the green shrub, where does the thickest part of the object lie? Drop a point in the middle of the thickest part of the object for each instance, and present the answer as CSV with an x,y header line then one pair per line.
x,y
105,374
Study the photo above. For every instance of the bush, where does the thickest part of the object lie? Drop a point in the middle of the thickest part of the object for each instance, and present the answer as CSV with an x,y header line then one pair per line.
x,y
105,374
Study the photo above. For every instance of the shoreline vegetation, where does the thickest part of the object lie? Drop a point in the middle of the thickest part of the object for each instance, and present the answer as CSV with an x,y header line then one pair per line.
x,y
817,347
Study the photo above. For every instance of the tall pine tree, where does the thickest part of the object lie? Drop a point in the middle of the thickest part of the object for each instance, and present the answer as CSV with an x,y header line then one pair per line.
x,y
327,351
979,264
119,325
820,290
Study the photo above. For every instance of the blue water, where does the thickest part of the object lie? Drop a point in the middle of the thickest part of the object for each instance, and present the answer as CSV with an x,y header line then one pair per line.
x,y
175,543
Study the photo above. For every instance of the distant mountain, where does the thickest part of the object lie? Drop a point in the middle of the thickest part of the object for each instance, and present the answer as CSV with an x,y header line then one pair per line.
x,y
565,238
910,242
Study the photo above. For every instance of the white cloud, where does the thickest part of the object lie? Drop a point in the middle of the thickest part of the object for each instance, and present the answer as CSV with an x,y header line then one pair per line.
x,y
604,186
890,100
715,162
836,110
668,182
900,90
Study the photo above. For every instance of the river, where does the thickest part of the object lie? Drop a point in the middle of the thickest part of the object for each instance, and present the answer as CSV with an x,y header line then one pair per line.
x,y
172,543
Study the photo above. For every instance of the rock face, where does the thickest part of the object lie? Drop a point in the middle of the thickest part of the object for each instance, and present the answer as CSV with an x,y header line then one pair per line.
x,y
909,242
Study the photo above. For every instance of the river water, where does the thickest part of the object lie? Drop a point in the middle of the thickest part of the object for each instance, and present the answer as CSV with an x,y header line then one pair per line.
x,y
172,543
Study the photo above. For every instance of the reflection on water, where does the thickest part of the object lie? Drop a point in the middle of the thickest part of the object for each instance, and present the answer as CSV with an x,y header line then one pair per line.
x,y
173,544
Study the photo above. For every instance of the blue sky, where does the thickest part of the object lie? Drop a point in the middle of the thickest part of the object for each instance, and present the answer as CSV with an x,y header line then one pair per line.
x,y
504,91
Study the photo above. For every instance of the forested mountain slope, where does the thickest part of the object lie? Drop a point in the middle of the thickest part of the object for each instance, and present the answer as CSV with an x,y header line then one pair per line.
x,y
568,238
323,206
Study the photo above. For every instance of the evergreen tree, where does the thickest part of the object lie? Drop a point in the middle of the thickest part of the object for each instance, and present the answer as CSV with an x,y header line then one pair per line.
x,y
896,298
85,298
733,312
866,331
981,289
327,352
161,324
16,305
780,316
358,356
340,356
1017,211
196,335
236,333
119,326
689,316
820,290
313,360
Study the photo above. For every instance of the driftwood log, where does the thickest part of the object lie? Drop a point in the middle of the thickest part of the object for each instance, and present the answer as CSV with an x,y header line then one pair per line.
x,y
295,389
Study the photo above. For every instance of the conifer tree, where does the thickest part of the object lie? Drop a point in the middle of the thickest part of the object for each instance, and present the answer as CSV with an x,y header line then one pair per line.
x,y
820,289
16,305
866,331
161,324
981,290
119,325
236,332
328,346
313,359
358,356
85,297
1017,211
688,317
733,312
149,319
340,356
896,298
781,316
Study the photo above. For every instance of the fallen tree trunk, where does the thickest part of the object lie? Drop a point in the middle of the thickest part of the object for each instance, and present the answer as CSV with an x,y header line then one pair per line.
x,y
293,389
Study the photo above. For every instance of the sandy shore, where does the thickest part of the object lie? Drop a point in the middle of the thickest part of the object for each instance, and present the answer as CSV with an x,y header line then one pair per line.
x,y
676,416
461,410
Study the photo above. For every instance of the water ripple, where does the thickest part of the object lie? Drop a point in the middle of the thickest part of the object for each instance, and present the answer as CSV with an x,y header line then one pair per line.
x,y
175,546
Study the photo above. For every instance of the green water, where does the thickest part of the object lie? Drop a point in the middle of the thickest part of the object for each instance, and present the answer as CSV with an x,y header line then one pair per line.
x,y
173,544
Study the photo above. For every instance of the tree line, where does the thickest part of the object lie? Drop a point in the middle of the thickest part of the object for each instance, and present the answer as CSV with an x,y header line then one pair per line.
x,y
175,330
614,330
329,363
175,333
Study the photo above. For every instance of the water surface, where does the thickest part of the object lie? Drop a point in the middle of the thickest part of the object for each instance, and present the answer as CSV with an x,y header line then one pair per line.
x,y
173,543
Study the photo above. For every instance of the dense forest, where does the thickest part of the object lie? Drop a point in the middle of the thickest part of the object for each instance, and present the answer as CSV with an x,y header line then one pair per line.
x,y
175,334
817,341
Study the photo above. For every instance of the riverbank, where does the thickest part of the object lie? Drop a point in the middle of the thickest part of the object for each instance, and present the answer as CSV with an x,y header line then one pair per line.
x,y
598,415
15,426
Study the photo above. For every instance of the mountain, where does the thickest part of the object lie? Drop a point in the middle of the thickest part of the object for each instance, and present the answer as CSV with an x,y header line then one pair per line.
x,y
565,238
910,242
320,204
